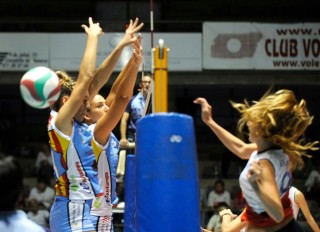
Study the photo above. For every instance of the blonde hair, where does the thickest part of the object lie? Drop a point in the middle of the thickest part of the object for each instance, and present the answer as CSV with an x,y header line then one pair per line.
x,y
282,120
67,84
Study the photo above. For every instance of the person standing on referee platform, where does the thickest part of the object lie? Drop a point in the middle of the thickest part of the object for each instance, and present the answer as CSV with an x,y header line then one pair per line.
x,y
134,112
276,125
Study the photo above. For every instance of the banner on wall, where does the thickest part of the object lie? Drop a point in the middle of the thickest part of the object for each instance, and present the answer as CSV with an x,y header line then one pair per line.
x,y
261,46
64,51
22,51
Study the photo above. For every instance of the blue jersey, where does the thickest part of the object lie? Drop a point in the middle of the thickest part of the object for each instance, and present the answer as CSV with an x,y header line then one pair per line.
x,y
73,161
135,108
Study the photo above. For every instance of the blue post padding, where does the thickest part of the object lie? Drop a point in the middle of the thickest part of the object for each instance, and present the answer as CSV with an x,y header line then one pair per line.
x,y
167,184
129,195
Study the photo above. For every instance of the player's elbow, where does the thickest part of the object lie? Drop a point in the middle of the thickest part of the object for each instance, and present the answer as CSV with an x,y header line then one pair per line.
x,y
125,98
278,217
87,74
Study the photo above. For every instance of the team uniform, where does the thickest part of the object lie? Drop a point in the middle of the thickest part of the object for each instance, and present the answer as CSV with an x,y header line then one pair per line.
x,y
76,178
135,109
255,212
294,205
107,161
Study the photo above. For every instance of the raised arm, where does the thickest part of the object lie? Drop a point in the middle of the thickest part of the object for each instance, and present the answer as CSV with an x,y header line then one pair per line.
x,y
303,205
233,143
106,124
115,87
86,73
262,178
123,130
106,68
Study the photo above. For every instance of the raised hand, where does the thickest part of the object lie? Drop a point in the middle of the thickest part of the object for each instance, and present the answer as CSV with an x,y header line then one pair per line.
x,y
205,230
138,50
227,212
93,29
131,30
206,109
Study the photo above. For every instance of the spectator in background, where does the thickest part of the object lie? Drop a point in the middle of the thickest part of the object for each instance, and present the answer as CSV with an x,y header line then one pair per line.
x,y
38,215
11,178
312,184
238,202
2,149
25,149
218,195
214,223
203,197
44,168
45,173
43,156
43,193
134,112
7,127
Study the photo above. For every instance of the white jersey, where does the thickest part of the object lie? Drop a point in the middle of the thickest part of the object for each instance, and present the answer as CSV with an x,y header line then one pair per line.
x,y
106,157
280,162
294,205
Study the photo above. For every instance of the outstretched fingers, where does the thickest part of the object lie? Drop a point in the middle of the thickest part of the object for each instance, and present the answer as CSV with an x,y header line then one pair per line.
x,y
90,21
134,27
93,29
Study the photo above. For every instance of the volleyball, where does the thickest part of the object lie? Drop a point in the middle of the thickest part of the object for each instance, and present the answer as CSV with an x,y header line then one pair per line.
x,y
40,87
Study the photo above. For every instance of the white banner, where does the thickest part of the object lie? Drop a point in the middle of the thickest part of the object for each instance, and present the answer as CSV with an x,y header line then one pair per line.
x,y
261,46
184,50
22,51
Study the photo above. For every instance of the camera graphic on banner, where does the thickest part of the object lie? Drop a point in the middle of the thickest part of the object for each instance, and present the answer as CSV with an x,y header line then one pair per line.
x,y
235,45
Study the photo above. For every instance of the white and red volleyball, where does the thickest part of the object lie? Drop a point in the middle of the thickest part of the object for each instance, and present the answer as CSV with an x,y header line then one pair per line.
x,y
40,87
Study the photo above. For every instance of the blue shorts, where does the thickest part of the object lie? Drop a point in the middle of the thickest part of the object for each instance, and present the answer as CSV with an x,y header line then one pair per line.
x,y
70,216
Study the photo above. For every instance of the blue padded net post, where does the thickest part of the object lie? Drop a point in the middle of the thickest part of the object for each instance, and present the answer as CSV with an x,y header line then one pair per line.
x,y
167,184
130,195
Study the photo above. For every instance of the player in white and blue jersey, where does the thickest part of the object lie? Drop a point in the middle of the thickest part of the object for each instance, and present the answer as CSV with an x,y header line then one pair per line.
x,y
76,179
102,120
